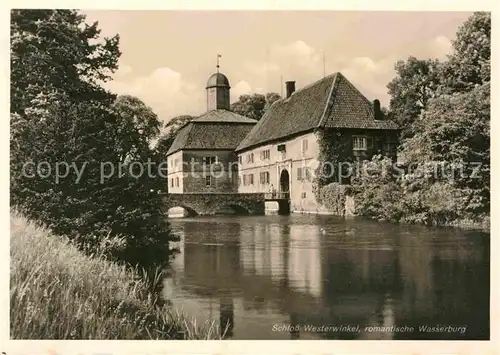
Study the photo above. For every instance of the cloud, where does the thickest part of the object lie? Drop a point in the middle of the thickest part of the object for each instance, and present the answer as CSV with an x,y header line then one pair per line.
x,y
303,63
440,47
370,76
296,54
296,61
241,88
123,71
170,94
164,90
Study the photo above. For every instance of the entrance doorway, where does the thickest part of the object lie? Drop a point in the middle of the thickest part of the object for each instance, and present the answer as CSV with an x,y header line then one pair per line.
x,y
284,181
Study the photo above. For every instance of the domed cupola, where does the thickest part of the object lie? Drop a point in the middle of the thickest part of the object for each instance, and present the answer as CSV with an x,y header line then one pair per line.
x,y
218,90
218,80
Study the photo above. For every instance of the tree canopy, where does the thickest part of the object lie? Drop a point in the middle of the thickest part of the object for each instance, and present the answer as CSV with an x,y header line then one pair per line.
x,y
77,151
469,64
445,111
255,105
415,84
170,130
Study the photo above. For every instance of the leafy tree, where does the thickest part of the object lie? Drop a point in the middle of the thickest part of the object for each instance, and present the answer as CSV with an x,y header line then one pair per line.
x,y
447,150
56,51
415,84
138,126
271,98
469,64
454,134
62,118
254,106
171,128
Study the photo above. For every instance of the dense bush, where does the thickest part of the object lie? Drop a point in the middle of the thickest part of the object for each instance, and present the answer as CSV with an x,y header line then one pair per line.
x,y
446,145
377,190
333,197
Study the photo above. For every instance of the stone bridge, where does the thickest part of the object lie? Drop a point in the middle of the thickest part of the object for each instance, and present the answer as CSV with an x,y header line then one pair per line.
x,y
211,203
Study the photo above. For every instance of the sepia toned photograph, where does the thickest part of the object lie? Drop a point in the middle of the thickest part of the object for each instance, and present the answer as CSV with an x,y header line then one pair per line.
x,y
249,175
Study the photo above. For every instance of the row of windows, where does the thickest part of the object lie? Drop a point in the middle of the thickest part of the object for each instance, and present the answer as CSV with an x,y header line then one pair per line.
x,y
365,143
209,181
264,179
206,160
358,143
303,174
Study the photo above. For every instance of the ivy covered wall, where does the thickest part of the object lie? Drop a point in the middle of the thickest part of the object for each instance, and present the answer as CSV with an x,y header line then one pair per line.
x,y
334,147
338,162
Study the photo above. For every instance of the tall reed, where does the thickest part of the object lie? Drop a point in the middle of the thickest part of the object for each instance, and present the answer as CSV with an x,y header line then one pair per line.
x,y
56,292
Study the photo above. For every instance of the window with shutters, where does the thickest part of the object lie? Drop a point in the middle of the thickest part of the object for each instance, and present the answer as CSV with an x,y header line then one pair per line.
x,y
304,174
359,143
304,145
299,174
308,174
264,178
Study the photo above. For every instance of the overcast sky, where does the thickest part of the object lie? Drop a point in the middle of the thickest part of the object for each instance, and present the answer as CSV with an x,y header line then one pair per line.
x,y
167,56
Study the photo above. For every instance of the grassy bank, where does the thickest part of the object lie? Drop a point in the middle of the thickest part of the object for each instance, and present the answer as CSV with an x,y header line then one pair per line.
x,y
58,293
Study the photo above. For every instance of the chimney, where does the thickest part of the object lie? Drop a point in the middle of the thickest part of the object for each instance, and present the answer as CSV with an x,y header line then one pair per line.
x,y
290,88
377,113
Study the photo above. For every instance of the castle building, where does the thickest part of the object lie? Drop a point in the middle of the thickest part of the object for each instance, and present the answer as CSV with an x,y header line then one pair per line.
x,y
202,156
222,151
281,152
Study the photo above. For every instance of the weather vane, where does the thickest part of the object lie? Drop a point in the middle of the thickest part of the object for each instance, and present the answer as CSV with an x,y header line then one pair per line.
x,y
218,56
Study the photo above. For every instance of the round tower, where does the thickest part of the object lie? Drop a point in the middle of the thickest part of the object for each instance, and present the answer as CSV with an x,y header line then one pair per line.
x,y
217,92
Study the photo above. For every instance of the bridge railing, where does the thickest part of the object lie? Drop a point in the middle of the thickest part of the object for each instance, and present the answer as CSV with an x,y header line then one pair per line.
x,y
277,196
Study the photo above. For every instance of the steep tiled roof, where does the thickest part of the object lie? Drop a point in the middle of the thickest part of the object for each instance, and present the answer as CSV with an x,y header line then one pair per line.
x,y
218,129
223,116
332,102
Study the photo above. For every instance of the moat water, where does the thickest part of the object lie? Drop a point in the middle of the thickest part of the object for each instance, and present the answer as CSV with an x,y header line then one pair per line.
x,y
277,277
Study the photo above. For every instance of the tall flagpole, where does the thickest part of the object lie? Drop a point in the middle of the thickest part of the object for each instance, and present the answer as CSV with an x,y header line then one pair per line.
x,y
218,56
281,85
324,65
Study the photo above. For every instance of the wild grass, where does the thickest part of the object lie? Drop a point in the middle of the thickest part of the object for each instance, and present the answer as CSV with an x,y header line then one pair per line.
x,y
56,292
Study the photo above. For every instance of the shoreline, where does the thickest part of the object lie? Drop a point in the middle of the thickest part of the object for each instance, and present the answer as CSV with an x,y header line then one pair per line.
x,y
465,225
56,292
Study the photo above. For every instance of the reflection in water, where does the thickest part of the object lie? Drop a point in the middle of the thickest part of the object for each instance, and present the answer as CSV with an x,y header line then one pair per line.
x,y
304,270
370,279
226,315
